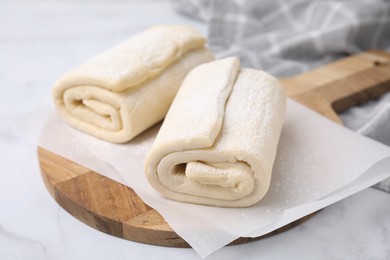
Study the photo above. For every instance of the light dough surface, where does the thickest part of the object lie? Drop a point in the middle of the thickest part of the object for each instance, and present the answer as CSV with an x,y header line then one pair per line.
x,y
218,142
128,88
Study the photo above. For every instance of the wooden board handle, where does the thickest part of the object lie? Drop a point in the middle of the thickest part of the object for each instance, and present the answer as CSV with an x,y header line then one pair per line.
x,y
342,84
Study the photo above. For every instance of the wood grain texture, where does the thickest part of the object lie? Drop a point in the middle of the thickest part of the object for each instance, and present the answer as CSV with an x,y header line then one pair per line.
x,y
117,210
342,84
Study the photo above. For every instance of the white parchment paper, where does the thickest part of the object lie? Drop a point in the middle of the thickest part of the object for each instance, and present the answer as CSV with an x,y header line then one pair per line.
x,y
318,163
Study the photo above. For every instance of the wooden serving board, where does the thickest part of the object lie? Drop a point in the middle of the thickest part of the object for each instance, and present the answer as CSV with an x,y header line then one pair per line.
x,y
117,210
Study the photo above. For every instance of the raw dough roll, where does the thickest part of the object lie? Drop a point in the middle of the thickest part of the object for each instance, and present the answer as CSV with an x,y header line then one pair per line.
x,y
128,88
218,142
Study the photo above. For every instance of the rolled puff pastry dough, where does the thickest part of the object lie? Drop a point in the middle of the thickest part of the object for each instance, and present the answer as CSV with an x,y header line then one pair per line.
x,y
128,88
218,142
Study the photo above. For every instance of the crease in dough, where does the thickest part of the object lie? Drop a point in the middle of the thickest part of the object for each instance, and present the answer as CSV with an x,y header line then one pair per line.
x,y
121,92
218,142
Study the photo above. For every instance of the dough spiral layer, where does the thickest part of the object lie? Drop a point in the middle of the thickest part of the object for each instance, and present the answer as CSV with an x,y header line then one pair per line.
x,y
128,88
218,142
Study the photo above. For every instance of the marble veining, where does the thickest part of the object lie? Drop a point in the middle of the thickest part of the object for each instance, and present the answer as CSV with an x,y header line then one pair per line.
x,y
40,41
13,241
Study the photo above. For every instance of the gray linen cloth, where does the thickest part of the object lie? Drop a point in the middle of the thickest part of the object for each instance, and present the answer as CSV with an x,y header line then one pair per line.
x,y
288,37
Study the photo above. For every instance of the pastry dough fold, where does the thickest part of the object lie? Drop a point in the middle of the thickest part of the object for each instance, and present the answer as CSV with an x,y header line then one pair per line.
x,y
128,88
218,142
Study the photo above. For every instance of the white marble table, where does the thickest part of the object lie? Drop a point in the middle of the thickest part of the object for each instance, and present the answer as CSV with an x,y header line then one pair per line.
x,y
39,42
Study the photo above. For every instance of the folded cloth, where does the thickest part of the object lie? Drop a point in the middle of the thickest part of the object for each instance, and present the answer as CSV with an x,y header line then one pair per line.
x,y
218,142
124,90
286,38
